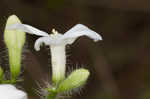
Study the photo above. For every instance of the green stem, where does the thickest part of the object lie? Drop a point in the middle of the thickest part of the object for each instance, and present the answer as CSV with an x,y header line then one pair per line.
x,y
52,95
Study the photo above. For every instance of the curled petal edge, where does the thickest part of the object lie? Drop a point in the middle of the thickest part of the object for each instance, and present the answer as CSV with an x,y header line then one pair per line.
x,y
40,41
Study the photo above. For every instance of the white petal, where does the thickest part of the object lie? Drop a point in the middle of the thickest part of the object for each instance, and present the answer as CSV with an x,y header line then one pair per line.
x,y
46,40
8,91
51,40
39,42
81,30
27,28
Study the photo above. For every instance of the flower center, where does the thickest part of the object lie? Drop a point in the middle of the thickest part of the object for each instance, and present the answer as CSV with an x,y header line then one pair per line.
x,y
54,32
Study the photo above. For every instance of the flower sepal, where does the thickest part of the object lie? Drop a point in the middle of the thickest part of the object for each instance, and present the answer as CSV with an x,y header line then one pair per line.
x,y
75,80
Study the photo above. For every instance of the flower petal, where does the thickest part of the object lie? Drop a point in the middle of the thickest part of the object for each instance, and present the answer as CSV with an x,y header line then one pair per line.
x,y
28,29
49,40
80,30
39,42
8,91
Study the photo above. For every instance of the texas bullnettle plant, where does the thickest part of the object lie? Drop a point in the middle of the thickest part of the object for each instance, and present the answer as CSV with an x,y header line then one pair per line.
x,y
14,38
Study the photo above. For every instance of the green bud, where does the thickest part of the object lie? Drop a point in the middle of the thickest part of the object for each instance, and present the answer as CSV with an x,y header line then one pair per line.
x,y
75,80
14,40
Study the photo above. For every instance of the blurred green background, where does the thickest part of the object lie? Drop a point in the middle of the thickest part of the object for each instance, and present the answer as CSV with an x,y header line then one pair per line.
x,y
119,65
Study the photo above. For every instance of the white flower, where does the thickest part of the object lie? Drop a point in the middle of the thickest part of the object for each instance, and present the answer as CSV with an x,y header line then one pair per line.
x,y
56,38
8,91
57,43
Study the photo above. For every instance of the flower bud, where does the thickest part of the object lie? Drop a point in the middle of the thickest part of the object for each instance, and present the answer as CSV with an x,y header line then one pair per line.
x,y
14,40
75,80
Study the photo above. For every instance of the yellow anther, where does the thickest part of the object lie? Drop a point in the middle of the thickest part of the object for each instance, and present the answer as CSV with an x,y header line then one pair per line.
x,y
54,31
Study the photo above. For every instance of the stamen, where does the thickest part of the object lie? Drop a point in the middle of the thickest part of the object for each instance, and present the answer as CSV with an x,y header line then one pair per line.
x,y
54,32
